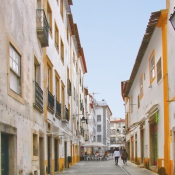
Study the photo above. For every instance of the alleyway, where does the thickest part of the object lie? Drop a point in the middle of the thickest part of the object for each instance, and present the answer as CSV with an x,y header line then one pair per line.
x,y
105,168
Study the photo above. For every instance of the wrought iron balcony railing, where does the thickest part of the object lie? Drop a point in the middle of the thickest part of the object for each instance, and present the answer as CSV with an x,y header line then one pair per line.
x,y
58,109
65,114
38,97
50,102
42,27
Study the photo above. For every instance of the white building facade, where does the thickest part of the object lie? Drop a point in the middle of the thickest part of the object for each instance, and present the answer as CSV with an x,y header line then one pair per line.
x,y
103,114
146,100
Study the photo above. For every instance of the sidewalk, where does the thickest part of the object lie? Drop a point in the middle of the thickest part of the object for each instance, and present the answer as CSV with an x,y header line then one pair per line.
x,y
132,169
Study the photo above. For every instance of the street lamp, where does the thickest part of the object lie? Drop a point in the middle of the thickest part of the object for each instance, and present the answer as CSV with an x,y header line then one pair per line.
x,y
172,19
83,120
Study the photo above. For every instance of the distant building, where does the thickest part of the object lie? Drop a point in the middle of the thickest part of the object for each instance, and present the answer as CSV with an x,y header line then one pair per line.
x,y
117,131
103,114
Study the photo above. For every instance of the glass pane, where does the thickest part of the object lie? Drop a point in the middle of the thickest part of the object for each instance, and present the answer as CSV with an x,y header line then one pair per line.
x,y
173,21
11,51
11,63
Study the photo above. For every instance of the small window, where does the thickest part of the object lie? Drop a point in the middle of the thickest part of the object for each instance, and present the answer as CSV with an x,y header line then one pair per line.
x,y
131,104
159,70
62,51
67,32
99,138
49,17
152,68
98,118
98,128
141,86
49,78
56,38
36,71
15,70
73,58
62,8
138,101
57,88
35,145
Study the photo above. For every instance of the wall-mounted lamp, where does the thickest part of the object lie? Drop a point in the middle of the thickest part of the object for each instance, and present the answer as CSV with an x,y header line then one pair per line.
x,y
83,120
172,19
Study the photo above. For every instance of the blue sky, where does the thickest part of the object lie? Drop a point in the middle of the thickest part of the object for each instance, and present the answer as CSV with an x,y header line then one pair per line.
x,y
111,32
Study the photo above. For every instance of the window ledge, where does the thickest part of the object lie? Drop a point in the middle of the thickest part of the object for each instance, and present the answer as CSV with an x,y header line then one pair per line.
x,y
34,158
15,96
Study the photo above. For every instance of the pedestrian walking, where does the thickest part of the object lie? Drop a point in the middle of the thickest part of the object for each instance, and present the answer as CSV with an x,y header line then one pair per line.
x,y
116,155
124,157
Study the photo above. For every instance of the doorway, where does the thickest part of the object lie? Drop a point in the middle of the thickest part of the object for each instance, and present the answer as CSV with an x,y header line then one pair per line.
x,y
65,154
56,155
41,155
4,154
132,148
49,155
142,146
136,148
153,144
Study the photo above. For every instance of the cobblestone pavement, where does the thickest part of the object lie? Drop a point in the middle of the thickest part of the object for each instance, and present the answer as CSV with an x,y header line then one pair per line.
x,y
94,168
105,168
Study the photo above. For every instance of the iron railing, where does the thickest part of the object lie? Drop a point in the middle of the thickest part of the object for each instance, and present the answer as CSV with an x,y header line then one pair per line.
x,y
42,27
50,102
58,109
66,114
38,97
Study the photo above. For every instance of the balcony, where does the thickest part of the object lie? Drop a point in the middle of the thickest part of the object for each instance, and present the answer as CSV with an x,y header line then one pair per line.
x,y
50,102
69,87
65,115
38,97
42,27
58,110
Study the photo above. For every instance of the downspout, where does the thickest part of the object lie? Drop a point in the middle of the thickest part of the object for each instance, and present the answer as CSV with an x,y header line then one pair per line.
x,y
162,23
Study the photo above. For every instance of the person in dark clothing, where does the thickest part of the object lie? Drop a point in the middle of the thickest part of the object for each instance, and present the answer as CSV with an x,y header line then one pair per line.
x,y
124,157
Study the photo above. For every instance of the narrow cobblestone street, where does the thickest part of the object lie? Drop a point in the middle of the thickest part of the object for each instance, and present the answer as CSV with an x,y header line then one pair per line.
x,y
105,168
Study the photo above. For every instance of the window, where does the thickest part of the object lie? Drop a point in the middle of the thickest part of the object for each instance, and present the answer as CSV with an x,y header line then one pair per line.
x,y
131,104
159,70
77,68
56,38
138,101
61,8
74,94
73,58
57,87
48,77
152,68
15,70
49,17
98,138
98,118
111,124
56,154
62,51
62,99
35,145
36,71
98,128
67,32
80,77
141,86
